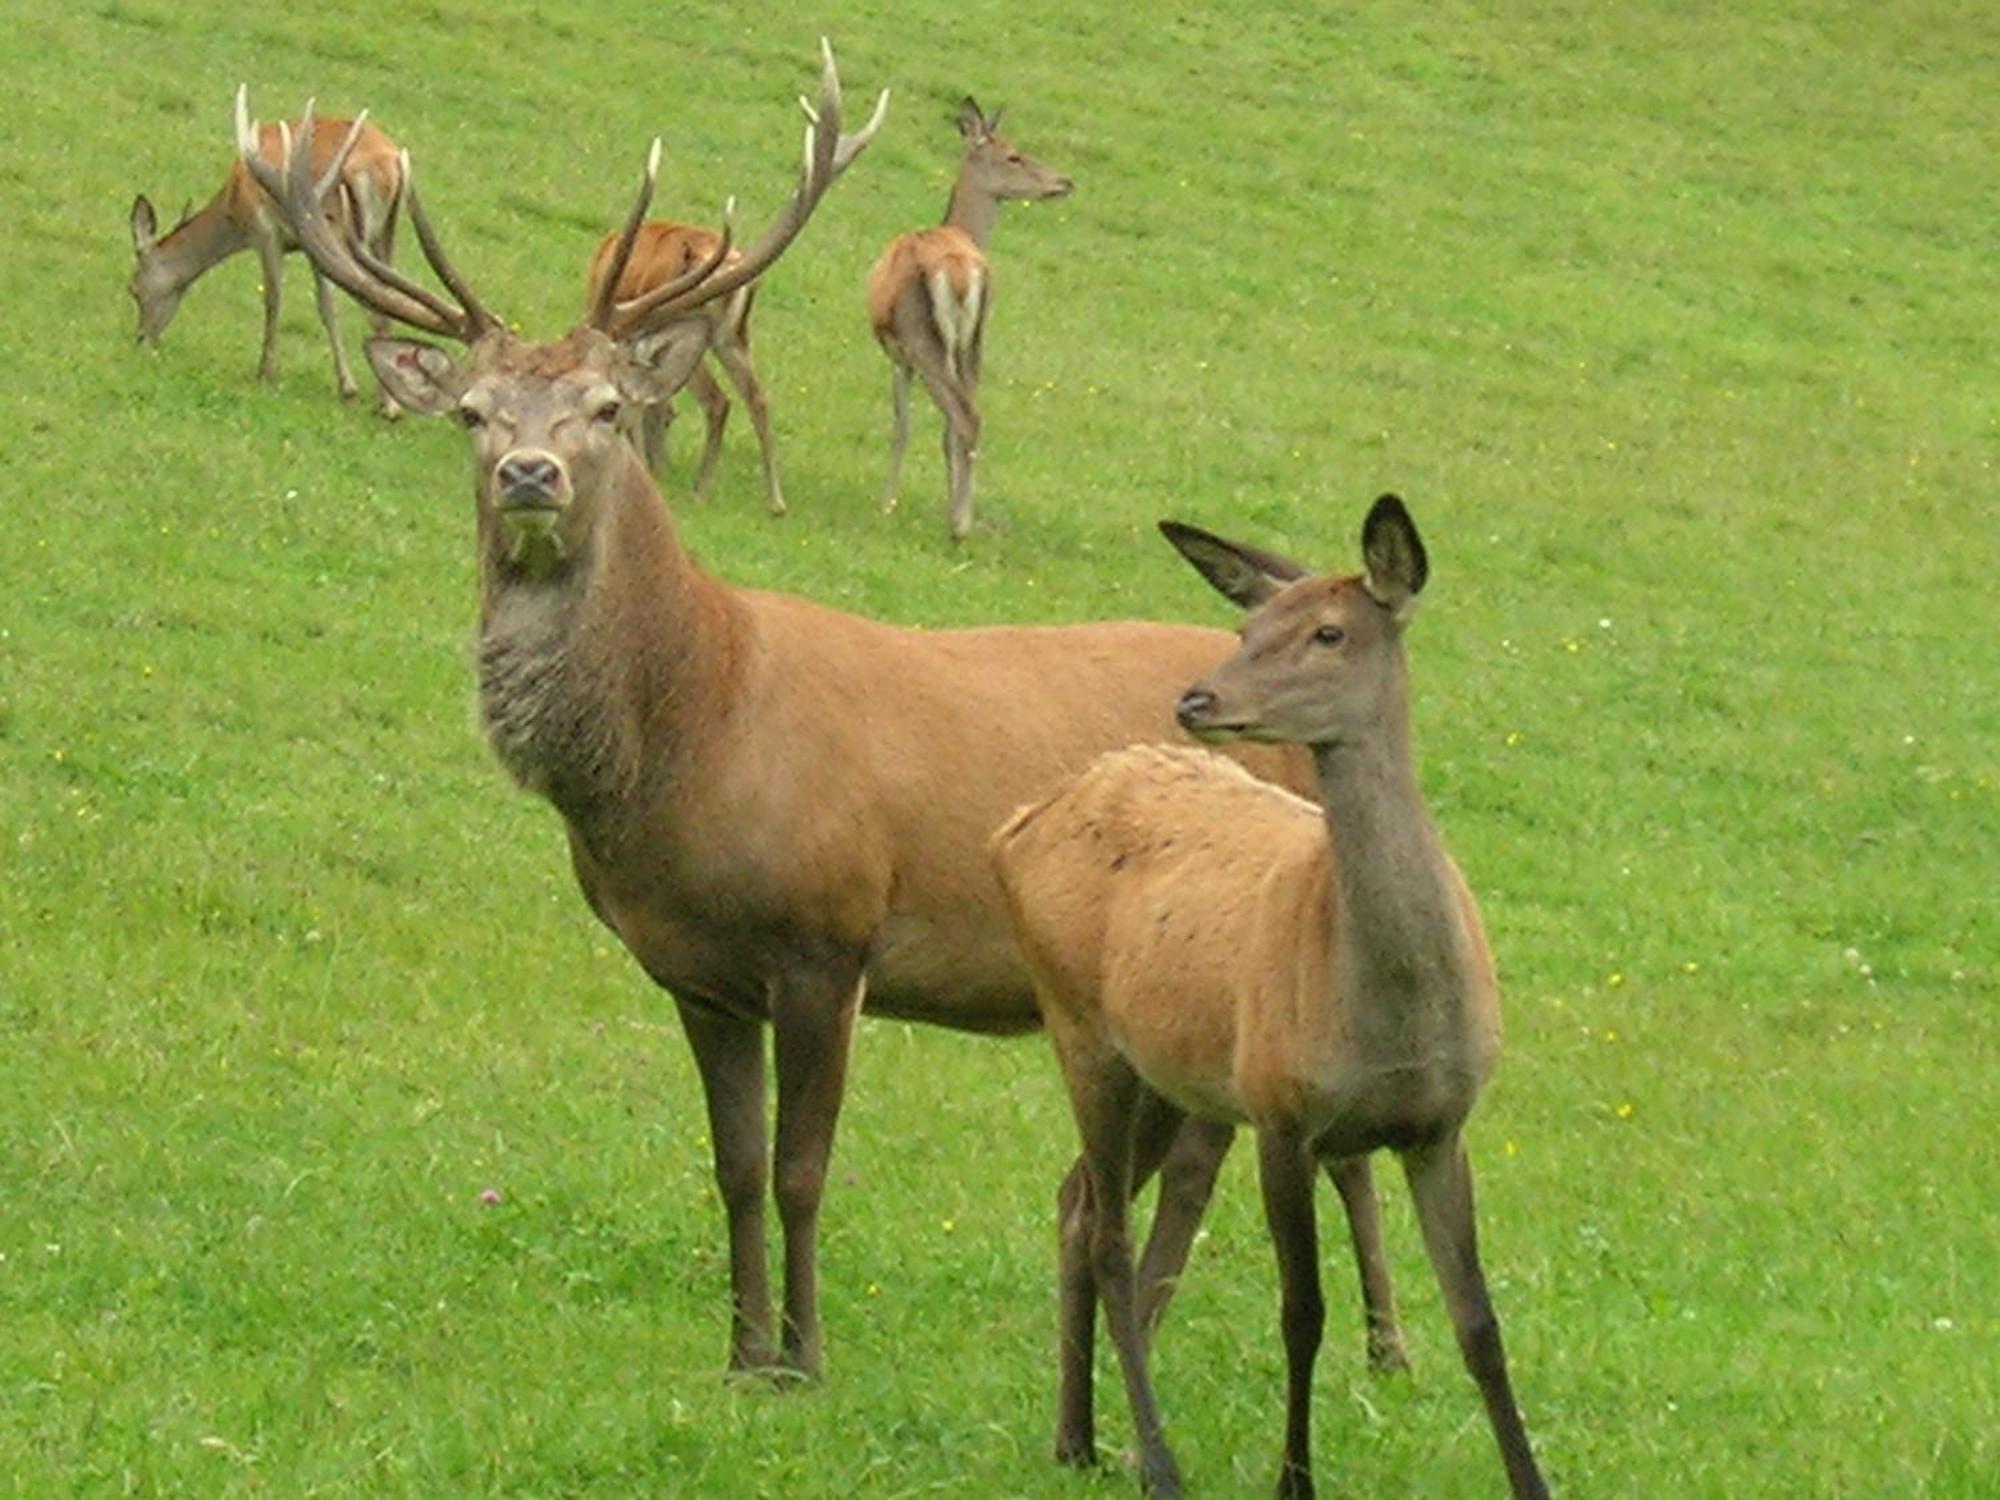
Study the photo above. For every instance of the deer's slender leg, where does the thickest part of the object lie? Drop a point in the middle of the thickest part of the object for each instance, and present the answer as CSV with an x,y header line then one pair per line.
x,y
1105,1092
1285,1173
729,1053
961,437
1441,1183
323,297
715,410
1355,1181
735,359
272,258
813,1012
1190,1156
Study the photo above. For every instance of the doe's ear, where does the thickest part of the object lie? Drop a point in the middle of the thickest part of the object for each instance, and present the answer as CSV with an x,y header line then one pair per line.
x,y
1394,555
971,122
1248,575
145,225
422,377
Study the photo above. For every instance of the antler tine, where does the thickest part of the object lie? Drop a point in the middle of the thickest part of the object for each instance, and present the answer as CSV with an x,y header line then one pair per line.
x,y
331,241
478,320
828,153
607,291
624,317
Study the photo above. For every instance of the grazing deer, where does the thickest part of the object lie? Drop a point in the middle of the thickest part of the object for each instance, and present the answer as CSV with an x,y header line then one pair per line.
x,y
661,251
779,809
1205,942
368,191
930,293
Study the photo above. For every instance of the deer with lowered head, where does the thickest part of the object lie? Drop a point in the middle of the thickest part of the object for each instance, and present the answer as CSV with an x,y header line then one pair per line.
x,y
931,291
365,194
662,250
779,809
1207,943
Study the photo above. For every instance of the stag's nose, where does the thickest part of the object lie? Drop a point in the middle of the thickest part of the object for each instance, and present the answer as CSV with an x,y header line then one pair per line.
x,y
1196,704
530,478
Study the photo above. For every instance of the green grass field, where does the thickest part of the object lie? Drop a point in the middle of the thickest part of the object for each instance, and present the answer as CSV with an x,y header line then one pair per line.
x,y
1674,326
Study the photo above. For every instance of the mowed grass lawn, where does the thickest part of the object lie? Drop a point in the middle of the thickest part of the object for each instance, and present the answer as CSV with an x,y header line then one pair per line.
x,y
1674,327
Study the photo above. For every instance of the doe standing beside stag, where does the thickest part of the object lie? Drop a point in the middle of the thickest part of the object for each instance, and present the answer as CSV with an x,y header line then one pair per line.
x,y
780,809
1208,943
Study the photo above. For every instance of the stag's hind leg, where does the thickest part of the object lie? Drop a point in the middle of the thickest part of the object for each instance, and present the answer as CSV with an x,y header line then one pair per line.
x,y
899,427
715,413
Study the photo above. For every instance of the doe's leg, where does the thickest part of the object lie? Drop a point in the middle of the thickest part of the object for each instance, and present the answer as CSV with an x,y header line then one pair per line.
x,y
1285,1173
1441,1183
1355,1182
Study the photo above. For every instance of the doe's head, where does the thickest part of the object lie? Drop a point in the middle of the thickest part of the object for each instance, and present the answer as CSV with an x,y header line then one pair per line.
x,y
1322,657
997,165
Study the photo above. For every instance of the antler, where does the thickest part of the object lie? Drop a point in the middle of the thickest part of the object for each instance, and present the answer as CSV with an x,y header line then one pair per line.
x,y
828,153
335,248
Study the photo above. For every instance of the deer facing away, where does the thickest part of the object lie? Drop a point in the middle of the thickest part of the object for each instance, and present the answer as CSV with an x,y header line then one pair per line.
x,y
243,216
929,295
665,249
1214,945
780,810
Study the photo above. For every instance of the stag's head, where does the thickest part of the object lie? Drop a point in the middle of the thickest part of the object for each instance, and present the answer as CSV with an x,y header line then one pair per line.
x,y
1322,657
543,418
997,165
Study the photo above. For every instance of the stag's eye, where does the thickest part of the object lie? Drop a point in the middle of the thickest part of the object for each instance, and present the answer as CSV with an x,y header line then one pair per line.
x,y
606,412
471,418
1329,635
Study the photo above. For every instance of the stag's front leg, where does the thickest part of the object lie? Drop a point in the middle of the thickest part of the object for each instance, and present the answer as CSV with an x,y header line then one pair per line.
x,y
813,1012
729,1053
343,377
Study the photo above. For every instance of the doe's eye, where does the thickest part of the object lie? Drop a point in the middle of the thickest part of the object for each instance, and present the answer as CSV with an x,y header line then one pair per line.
x,y
1329,635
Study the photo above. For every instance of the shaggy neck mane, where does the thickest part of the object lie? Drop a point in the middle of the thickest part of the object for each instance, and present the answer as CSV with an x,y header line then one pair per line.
x,y
584,673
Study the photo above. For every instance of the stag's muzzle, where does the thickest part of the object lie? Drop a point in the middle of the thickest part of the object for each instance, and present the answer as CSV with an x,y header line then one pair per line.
x,y
529,480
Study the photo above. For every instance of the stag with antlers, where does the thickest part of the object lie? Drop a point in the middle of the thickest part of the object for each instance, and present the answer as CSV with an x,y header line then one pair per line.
x,y
779,809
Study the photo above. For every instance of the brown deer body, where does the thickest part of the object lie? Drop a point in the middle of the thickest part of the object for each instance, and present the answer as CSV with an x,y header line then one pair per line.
x,y
1203,939
780,809
663,250
929,295
244,216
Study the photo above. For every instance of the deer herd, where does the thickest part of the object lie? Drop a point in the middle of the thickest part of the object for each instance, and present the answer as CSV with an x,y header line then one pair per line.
x,y
1269,934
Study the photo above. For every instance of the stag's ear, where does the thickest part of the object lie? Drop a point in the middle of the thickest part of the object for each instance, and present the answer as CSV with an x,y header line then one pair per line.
x,y
1248,575
658,364
971,123
145,225
1394,554
422,377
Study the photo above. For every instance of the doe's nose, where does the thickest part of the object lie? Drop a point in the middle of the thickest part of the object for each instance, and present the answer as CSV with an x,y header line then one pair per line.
x,y
529,478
